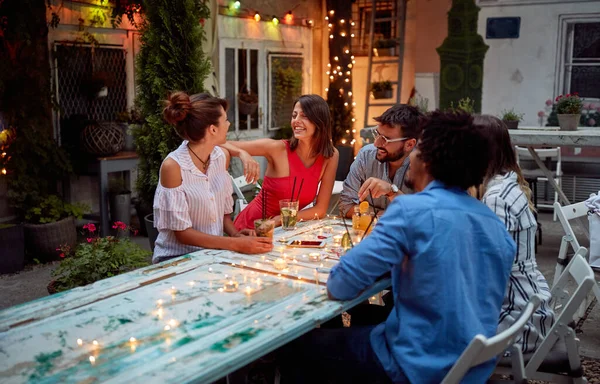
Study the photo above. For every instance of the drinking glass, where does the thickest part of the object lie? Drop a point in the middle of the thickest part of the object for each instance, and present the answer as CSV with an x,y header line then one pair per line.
x,y
264,228
289,214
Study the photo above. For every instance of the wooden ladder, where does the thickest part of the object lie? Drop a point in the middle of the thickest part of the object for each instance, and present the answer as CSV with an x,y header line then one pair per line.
x,y
400,19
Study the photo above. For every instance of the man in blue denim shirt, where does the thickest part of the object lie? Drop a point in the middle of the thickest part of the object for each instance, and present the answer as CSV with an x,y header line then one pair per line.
x,y
449,257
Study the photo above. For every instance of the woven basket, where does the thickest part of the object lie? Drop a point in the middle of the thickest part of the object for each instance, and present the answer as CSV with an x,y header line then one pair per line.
x,y
103,139
41,240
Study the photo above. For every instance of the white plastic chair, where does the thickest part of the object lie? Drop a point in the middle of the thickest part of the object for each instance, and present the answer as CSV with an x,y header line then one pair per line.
x,y
240,183
557,358
482,349
537,174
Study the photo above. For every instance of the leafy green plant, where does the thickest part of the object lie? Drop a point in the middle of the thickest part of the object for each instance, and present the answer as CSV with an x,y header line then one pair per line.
x,y
52,209
98,258
570,104
422,103
464,105
381,86
171,58
511,115
288,86
385,43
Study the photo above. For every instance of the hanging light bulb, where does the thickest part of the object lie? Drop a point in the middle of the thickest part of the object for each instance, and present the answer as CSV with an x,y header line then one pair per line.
x,y
330,25
342,21
336,58
332,12
329,65
326,17
256,16
275,21
331,36
352,23
236,5
352,35
289,18
343,34
347,51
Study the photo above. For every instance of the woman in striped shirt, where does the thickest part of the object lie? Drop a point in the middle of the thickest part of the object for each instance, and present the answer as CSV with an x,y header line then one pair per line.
x,y
193,202
507,194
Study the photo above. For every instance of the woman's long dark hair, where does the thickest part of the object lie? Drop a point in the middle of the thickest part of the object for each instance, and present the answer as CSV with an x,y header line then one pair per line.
x,y
502,153
317,111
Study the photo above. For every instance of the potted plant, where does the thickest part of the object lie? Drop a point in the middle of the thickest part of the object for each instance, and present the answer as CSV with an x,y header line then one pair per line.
x,y
511,118
50,224
12,248
97,258
465,105
382,89
568,110
119,201
247,102
385,47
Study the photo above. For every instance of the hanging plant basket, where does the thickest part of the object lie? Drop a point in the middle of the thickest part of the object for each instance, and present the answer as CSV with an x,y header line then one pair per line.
x,y
103,139
247,102
387,94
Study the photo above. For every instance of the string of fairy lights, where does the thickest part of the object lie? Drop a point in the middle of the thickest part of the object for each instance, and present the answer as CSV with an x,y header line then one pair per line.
x,y
235,9
338,70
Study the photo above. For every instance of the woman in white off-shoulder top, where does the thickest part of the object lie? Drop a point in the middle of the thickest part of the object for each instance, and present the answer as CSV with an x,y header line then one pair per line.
x,y
193,202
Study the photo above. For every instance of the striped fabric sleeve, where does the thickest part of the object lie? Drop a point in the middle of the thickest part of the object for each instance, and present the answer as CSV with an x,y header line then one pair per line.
x,y
503,210
171,209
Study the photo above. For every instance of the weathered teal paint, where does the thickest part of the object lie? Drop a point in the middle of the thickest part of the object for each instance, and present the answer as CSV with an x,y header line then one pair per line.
x,y
198,334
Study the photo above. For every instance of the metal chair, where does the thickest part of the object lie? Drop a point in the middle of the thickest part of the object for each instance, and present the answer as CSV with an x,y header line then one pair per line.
x,y
482,349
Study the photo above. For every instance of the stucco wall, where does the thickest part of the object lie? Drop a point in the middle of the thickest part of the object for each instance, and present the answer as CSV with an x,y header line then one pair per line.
x,y
521,73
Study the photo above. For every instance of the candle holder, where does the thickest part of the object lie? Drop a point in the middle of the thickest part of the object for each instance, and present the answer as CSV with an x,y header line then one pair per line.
x,y
231,286
280,264
337,240
327,229
314,256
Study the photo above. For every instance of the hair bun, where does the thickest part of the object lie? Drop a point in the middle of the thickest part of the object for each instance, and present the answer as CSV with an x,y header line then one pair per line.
x,y
177,107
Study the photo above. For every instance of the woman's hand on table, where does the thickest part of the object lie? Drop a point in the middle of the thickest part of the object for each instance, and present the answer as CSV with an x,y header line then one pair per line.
x,y
251,167
253,245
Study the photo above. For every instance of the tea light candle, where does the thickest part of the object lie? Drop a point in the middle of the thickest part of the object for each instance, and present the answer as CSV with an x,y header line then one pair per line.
x,y
337,240
314,256
230,286
327,229
248,291
279,263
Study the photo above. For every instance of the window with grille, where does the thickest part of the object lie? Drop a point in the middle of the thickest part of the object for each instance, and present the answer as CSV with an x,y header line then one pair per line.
x,y
581,63
81,70
241,88
361,16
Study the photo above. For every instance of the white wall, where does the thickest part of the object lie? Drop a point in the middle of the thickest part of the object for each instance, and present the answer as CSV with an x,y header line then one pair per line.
x,y
521,73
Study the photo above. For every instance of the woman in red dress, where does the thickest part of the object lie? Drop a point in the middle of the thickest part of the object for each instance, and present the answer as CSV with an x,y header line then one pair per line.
x,y
309,157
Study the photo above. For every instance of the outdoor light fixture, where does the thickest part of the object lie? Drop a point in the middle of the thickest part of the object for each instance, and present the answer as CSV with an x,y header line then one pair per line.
x,y
289,17
237,5
256,16
275,21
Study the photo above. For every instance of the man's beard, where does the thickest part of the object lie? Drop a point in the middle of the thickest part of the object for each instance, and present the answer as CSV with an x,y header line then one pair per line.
x,y
390,157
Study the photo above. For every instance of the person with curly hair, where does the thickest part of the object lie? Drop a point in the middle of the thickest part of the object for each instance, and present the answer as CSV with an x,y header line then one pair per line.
x,y
450,258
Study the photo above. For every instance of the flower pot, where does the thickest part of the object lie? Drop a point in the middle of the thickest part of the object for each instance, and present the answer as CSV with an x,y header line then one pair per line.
x,y
568,122
152,232
120,209
12,249
247,108
385,51
387,94
41,240
511,124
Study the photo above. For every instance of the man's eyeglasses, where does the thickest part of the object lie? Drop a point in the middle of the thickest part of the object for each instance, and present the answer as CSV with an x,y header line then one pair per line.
x,y
377,135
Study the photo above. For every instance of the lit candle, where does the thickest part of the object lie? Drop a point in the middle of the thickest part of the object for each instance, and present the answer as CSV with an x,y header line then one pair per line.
x,y
231,286
314,256
248,291
279,263
327,229
337,240
79,342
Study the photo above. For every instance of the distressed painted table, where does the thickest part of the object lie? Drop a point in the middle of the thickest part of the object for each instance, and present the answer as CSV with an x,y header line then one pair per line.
x,y
175,321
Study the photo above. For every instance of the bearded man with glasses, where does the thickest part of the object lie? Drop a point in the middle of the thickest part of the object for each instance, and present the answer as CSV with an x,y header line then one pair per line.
x,y
380,168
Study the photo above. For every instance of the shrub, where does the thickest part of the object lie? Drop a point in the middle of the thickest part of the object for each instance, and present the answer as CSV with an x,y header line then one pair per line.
x,y
52,209
511,115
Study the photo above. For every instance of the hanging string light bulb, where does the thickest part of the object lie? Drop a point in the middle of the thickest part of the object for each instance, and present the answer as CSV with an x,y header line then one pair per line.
x,y
289,18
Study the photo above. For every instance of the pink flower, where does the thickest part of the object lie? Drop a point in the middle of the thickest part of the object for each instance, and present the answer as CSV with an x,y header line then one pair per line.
x,y
90,227
591,122
541,114
58,249
62,255
120,225
90,239
135,232
549,102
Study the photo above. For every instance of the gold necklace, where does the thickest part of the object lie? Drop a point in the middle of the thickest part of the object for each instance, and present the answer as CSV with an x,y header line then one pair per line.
x,y
206,163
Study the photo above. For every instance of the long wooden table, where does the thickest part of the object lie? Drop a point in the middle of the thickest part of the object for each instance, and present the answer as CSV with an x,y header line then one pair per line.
x,y
174,322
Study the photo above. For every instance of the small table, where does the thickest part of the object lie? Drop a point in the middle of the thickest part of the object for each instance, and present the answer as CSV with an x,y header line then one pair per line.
x,y
120,162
